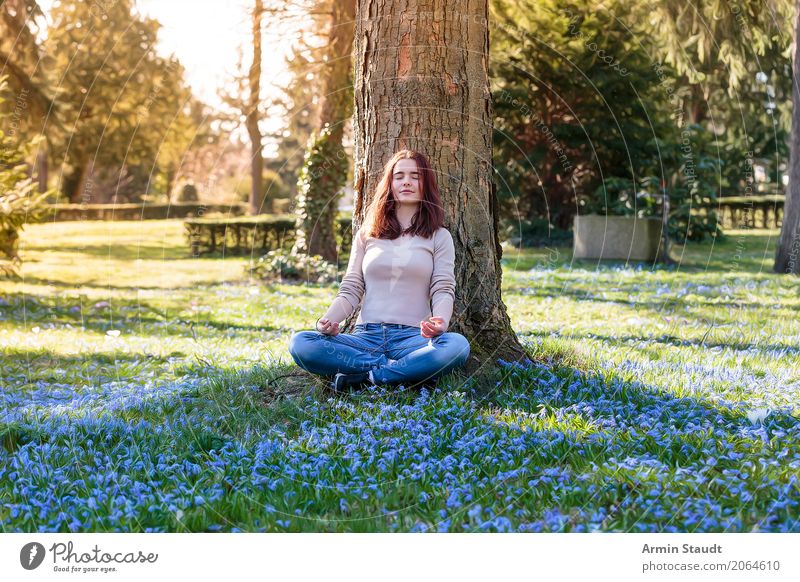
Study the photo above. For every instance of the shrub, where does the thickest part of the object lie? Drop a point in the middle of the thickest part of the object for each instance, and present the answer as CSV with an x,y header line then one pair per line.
x,y
280,265
619,197
693,186
19,200
690,177
536,232
274,188
187,193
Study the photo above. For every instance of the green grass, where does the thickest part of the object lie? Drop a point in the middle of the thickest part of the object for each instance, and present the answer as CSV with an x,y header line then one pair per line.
x,y
129,366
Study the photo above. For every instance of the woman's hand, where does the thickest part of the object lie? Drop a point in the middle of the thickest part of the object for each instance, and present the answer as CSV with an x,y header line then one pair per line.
x,y
327,326
432,327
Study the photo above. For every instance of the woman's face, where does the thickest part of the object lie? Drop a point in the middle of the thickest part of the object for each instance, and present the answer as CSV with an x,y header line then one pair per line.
x,y
406,183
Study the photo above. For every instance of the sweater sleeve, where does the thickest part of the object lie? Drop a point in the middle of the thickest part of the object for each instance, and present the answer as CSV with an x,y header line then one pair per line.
x,y
352,287
443,280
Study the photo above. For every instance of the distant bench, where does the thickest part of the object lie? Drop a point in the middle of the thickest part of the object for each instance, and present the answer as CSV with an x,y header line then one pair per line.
x,y
751,211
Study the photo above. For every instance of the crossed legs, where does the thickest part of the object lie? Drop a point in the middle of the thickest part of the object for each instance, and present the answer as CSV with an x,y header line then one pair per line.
x,y
408,357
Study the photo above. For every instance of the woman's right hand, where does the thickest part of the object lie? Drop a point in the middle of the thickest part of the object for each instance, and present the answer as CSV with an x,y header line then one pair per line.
x,y
327,326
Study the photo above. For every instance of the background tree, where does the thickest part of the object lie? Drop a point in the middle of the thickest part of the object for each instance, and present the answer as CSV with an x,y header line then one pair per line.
x,y
21,58
326,163
117,97
590,106
19,201
714,47
190,130
731,63
699,36
301,98
299,107
246,101
421,82
735,34
787,257
577,104
252,115
21,52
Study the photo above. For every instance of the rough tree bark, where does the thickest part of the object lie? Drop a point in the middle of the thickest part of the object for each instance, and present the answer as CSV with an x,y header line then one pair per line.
x,y
787,257
252,115
421,82
325,167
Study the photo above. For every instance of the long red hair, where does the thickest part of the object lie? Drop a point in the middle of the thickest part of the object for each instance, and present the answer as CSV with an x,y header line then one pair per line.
x,y
380,220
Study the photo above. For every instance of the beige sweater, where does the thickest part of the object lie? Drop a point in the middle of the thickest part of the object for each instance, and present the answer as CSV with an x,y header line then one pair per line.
x,y
404,280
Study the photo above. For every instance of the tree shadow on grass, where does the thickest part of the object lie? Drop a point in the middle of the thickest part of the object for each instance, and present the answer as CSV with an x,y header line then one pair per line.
x,y
266,392
619,419
117,252
630,404
128,313
23,367
654,307
669,340
594,425
601,421
94,284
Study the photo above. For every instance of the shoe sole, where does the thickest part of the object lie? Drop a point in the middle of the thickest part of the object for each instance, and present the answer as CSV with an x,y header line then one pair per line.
x,y
338,387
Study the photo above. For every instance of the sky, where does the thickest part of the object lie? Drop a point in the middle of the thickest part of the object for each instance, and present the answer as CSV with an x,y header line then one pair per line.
x,y
207,35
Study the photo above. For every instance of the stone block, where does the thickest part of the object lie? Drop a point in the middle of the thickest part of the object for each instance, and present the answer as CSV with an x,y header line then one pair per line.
x,y
616,237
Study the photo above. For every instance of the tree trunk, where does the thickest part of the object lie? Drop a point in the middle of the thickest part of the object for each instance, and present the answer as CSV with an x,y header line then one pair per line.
x,y
696,104
663,249
74,182
42,167
251,120
787,258
86,187
169,174
421,82
325,167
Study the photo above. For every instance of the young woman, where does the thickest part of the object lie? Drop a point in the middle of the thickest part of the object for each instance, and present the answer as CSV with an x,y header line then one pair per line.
x,y
401,266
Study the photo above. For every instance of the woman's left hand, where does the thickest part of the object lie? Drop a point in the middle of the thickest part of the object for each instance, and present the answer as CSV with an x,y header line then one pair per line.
x,y
432,327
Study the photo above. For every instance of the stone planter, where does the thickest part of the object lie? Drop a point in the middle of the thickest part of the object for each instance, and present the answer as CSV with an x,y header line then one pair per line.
x,y
616,237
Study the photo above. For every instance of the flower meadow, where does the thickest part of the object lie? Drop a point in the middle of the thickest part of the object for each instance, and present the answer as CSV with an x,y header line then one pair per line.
x,y
143,390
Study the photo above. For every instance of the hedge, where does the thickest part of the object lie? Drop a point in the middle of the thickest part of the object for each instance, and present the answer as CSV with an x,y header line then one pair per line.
x,y
145,211
255,235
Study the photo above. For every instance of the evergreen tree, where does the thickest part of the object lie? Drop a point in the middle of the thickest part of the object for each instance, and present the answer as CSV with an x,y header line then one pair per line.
x,y
117,95
19,201
24,61
577,103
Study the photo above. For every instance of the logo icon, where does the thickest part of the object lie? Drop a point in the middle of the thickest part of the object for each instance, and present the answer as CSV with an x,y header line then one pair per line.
x,y
31,555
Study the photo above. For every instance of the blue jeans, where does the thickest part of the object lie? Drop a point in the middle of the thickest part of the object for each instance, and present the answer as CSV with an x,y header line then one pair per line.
x,y
396,353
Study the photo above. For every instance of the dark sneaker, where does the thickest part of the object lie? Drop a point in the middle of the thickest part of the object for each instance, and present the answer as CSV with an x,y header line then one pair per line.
x,y
429,384
346,383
